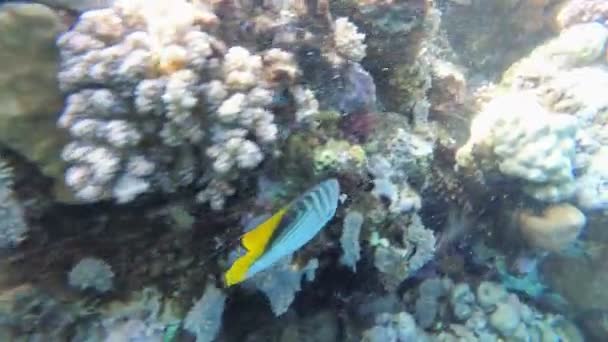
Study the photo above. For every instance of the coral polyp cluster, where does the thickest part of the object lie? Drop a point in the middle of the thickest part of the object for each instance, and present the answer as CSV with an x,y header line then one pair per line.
x,y
157,101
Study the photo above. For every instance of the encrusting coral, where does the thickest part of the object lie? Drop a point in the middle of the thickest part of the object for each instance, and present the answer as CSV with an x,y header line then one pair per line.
x,y
492,314
398,260
205,318
281,282
555,229
92,273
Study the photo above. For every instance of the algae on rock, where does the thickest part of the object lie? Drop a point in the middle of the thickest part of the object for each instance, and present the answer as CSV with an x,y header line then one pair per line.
x,y
29,93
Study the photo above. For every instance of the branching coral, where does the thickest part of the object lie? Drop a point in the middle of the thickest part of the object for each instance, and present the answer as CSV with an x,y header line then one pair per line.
x,y
157,101
348,41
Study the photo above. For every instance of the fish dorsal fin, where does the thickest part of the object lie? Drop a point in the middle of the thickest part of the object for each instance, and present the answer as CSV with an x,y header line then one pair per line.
x,y
315,207
305,217
255,242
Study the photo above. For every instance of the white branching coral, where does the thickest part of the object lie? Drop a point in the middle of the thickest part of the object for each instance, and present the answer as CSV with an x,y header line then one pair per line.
x,y
348,40
516,137
157,101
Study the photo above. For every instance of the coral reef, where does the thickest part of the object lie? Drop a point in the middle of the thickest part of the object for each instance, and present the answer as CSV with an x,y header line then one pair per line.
x,y
349,241
448,87
13,226
592,191
91,273
155,107
540,152
400,22
142,317
205,317
412,82
35,314
404,25
427,304
348,41
184,121
340,156
489,314
576,46
495,313
282,281
398,164
398,327
398,260
474,30
574,12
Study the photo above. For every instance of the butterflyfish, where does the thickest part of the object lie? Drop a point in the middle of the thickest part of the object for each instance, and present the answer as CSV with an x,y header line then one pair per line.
x,y
285,231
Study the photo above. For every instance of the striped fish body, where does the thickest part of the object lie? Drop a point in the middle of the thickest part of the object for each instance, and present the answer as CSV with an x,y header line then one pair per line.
x,y
286,231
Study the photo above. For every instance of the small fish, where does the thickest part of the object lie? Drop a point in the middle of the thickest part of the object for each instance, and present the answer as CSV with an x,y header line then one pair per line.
x,y
285,231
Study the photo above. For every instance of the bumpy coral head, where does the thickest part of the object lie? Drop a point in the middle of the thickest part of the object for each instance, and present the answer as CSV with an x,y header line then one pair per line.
x,y
171,59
